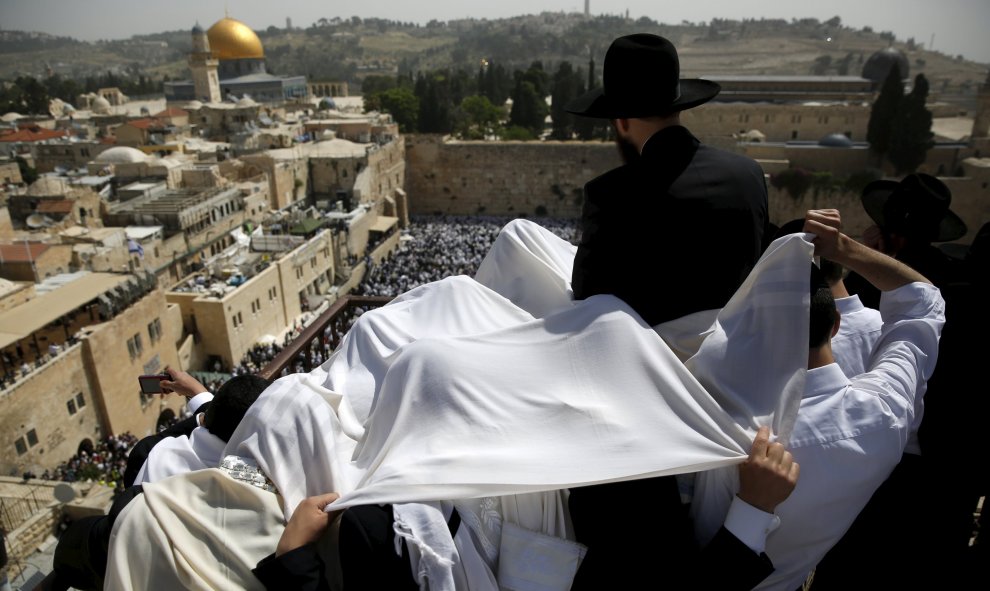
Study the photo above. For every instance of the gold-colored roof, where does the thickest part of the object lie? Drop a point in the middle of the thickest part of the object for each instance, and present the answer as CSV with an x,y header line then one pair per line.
x,y
230,39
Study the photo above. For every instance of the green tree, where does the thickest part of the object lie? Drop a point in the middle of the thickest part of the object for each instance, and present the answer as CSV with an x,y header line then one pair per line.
x,y
588,128
479,117
28,174
911,130
882,113
434,103
494,83
529,108
403,105
566,86
514,132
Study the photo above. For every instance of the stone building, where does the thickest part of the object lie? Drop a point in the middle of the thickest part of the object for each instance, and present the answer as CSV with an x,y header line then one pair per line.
x,y
245,294
53,201
71,356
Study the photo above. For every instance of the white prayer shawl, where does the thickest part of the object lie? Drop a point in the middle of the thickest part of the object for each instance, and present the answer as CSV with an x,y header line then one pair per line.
x,y
198,530
177,455
454,392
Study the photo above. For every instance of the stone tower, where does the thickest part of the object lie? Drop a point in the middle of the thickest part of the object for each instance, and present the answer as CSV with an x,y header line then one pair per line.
x,y
203,66
981,124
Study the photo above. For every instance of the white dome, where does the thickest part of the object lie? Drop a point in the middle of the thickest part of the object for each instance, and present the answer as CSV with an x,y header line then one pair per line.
x,y
246,102
100,105
194,105
121,155
12,116
47,186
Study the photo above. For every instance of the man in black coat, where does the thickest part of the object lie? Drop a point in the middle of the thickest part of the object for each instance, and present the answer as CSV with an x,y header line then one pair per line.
x,y
673,231
677,210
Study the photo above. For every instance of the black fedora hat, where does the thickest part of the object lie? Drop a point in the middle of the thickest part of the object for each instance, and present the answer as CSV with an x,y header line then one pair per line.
x,y
641,78
917,207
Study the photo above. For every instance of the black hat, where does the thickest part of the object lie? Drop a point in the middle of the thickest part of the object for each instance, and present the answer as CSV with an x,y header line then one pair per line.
x,y
641,78
917,207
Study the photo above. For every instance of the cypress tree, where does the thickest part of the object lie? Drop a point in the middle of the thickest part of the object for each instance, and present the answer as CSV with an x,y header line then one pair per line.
x,y
911,130
883,111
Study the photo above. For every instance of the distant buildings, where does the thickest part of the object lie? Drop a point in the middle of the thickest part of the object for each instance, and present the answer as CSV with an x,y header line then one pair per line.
x,y
228,61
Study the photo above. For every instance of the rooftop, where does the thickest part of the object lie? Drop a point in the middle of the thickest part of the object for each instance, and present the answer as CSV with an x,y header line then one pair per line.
x,y
55,297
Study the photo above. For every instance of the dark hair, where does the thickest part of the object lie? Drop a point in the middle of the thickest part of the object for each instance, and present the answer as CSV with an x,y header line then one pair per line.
x,y
231,403
831,270
823,312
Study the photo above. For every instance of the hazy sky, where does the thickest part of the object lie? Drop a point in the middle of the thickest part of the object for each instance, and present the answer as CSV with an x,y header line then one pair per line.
x,y
958,26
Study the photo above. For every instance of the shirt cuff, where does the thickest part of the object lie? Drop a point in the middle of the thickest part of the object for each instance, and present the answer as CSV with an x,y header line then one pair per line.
x,y
198,400
750,525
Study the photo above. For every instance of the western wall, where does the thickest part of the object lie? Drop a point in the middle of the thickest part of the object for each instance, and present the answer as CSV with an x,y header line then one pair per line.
x,y
535,179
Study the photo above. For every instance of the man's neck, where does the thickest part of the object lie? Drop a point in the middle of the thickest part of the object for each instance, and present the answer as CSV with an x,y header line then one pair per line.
x,y
641,130
820,356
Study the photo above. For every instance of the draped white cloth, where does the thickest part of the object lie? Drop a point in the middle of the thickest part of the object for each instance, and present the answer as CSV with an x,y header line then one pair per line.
x,y
501,387
177,455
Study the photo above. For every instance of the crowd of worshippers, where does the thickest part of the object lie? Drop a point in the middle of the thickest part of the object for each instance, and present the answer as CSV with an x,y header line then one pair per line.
x,y
104,463
857,436
442,246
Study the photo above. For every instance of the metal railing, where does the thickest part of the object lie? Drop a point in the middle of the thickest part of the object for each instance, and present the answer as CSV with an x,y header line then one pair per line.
x,y
336,317
15,511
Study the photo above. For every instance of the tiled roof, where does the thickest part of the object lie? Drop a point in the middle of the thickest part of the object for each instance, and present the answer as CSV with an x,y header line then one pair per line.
x,y
28,135
172,112
56,206
22,252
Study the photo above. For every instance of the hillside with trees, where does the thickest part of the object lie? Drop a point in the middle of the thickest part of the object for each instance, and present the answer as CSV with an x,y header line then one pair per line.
x,y
355,49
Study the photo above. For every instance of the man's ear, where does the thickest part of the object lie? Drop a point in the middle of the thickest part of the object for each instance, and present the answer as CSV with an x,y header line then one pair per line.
x,y
621,125
836,324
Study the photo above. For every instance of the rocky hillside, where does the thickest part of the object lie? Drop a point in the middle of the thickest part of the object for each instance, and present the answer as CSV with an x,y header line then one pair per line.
x,y
350,49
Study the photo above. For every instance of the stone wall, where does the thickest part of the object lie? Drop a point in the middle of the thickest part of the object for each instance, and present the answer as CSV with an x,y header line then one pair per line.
x,y
546,178
501,178
112,370
38,404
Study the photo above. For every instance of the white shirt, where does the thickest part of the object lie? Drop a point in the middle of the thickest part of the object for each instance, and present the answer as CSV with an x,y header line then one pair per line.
x,y
174,455
859,330
848,437
198,400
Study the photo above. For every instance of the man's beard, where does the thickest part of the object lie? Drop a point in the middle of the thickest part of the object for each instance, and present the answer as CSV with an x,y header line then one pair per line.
x,y
627,150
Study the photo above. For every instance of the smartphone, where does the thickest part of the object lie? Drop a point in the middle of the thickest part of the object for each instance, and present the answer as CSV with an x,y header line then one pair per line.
x,y
152,384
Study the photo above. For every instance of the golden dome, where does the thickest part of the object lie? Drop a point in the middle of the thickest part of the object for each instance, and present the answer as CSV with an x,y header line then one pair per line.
x,y
231,39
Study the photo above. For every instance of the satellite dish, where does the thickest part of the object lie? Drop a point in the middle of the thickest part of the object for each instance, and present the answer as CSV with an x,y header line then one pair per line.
x,y
36,220
64,492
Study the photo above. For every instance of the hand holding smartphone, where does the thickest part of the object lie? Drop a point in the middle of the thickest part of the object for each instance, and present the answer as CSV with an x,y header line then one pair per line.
x,y
152,384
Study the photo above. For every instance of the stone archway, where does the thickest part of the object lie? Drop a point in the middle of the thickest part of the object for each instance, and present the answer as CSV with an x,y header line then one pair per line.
x,y
86,445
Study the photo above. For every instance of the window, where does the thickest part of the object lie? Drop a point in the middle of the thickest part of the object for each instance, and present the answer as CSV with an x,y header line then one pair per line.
x,y
312,263
794,135
20,446
137,344
32,438
71,405
80,401
130,349
155,330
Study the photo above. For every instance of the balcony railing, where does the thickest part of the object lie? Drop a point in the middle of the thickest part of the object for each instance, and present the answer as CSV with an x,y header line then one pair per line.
x,y
336,317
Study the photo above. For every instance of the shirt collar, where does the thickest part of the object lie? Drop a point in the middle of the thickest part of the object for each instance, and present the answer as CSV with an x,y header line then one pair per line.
x,y
824,380
849,304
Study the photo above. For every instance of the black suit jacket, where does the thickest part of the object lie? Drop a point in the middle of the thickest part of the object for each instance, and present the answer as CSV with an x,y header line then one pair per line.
x,y
690,219
687,217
